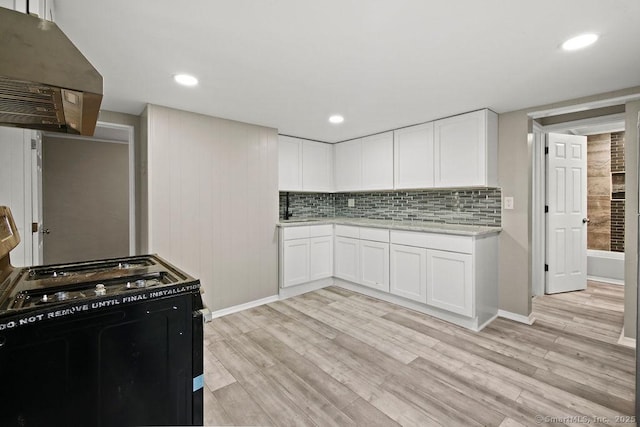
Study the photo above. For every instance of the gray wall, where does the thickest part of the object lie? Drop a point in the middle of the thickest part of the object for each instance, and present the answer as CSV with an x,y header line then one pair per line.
x,y
140,169
631,218
85,199
213,202
514,172
513,175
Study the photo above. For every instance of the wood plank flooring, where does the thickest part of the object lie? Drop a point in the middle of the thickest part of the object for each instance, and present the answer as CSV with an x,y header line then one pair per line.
x,y
336,357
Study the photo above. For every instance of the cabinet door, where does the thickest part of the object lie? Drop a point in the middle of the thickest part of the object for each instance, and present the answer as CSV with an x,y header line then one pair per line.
x,y
413,157
296,262
346,259
377,162
374,265
460,146
348,165
289,164
450,281
320,257
408,272
317,166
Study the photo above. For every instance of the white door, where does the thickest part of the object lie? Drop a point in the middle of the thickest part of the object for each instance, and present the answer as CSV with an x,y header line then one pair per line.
x,y
296,262
348,165
346,258
413,156
374,265
38,232
320,257
450,281
377,162
409,272
567,216
289,164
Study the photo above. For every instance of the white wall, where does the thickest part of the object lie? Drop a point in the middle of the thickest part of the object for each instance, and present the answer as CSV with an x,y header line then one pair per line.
x,y
15,187
213,202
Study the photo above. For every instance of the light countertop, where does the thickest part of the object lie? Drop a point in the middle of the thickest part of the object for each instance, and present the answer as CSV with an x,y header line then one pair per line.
x,y
433,227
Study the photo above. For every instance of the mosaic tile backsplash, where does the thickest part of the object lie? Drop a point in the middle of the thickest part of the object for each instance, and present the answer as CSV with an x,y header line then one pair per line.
x,y
475,206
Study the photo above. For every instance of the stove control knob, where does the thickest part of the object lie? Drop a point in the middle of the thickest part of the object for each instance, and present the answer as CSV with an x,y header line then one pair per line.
x,y
100,289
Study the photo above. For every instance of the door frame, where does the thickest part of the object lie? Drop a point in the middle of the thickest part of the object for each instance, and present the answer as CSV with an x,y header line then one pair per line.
x,y
537,178
132,171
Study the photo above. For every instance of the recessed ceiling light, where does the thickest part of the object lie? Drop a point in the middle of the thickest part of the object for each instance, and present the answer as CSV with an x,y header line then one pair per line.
x,y
185,79
580,41
336,118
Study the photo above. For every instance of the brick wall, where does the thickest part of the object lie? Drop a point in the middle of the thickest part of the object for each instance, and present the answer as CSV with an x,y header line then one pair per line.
x,y
617,206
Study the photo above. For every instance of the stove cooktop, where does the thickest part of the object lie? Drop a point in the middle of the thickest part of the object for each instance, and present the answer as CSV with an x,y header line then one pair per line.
x,y
35,294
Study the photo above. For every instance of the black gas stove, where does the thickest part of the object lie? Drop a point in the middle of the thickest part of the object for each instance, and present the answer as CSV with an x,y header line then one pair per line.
x,y
112,342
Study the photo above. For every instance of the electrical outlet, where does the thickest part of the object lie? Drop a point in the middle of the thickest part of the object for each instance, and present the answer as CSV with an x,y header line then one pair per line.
x,y
508,202
351,203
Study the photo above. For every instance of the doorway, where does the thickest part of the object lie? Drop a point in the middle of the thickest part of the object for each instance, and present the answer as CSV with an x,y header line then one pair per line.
x,y
604,189
87,195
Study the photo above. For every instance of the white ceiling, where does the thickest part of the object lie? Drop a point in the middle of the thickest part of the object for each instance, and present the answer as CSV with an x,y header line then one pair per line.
x,y
383,64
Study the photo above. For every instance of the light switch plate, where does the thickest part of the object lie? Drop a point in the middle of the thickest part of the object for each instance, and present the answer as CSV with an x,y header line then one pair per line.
x,y
508,202
351,203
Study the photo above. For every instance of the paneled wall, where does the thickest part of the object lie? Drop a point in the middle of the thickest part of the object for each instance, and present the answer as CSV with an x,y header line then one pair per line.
x,y
15,187
213,202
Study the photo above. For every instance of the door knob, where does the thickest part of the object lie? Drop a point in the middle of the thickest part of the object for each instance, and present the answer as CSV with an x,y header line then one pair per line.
x,y
585,220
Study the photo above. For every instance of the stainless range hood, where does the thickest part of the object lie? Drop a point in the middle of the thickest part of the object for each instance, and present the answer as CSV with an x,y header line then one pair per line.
x,y
45,82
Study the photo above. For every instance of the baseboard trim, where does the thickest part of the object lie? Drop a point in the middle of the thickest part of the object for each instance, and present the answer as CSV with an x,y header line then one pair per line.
x,y
606,280
527,320
626,341
293,291
245,306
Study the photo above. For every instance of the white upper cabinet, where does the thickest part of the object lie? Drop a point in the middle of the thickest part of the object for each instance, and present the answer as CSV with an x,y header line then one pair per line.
x,y
365,163
377,162
413,157
348,165
465,150
304,165
317,166
289,164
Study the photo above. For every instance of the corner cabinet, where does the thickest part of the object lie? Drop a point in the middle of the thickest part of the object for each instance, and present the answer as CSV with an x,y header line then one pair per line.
x,y
365,163
304,165
306,254
466,150
449,276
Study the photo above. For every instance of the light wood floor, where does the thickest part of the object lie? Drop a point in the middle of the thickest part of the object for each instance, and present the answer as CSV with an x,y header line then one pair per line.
x,y
335,357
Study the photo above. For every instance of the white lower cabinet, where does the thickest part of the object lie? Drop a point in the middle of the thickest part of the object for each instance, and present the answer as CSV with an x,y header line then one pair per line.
x,y
450,281
296,262
453,277
346,263
320,257
408,272
306,254
374,265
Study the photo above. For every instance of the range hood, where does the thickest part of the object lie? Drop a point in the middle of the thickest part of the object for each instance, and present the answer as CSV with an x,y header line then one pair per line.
x,y
45,82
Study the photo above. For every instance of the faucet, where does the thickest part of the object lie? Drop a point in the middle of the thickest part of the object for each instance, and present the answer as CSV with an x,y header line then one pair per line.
x,y
287,215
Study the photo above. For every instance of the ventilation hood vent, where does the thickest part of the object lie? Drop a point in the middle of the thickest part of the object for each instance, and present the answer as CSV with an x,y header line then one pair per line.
x,y
45,82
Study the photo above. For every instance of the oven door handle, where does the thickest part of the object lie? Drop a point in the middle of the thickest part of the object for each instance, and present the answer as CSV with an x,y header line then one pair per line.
x,y
207,316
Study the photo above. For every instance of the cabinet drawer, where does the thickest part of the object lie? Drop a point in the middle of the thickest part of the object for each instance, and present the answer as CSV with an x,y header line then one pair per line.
x,y
375,234
443,242
295,233
321,230
348,231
